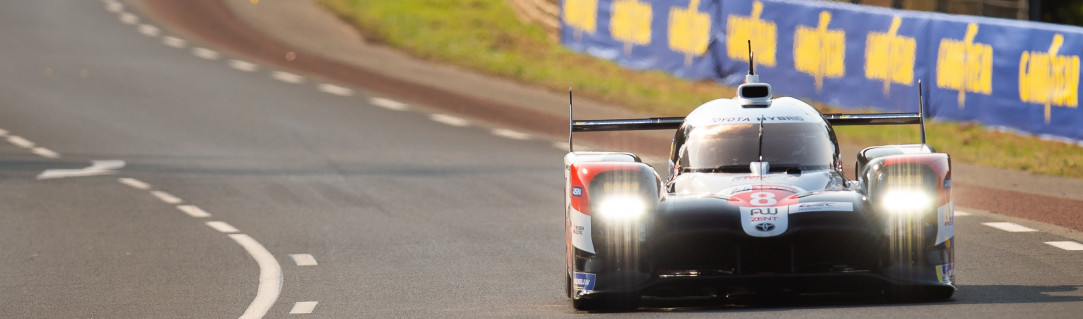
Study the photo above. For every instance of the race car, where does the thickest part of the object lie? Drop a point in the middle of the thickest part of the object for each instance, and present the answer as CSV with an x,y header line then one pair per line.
x,y
756,204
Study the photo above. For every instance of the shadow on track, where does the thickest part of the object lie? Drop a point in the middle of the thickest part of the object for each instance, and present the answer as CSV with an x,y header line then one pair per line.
x,y
965,295
1003,294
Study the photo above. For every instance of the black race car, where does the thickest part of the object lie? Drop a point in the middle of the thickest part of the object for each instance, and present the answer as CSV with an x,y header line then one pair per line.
x,y
756,203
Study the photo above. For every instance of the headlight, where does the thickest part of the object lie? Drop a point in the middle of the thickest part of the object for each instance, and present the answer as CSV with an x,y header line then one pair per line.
x,y
906,200
622,208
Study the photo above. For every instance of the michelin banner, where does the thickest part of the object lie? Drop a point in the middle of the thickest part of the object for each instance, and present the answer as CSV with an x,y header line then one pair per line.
x,y
1017,75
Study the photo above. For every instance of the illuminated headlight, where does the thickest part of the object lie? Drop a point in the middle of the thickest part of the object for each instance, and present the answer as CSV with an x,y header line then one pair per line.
x,y
906,200
622,208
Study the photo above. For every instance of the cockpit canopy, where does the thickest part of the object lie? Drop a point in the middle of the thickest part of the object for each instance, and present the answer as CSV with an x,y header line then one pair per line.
x,y
794,136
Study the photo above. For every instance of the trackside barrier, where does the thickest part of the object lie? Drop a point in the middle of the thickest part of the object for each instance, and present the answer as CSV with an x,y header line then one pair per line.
x,y
1016,75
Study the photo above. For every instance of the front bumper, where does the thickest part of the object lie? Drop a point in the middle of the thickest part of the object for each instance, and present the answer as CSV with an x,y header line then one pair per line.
x,y
832,255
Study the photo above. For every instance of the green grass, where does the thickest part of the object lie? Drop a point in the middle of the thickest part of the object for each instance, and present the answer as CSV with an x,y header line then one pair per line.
x,y
486,35
970,143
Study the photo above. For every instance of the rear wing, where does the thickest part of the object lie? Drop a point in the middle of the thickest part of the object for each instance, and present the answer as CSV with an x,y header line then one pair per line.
x,y
673,123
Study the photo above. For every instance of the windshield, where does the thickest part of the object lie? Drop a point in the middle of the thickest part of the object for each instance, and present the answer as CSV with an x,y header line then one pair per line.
x,y
728,147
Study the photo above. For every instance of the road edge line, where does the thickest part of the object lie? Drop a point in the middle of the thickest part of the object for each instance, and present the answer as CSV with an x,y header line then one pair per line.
x,y
270,277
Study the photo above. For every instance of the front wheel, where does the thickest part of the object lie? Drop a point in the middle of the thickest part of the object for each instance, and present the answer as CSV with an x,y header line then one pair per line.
x,y
921,294
567,284
607,303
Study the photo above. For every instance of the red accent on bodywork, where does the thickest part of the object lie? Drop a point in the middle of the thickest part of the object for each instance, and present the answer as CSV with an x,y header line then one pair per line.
x,y
780,195
568,246
940,164
583,173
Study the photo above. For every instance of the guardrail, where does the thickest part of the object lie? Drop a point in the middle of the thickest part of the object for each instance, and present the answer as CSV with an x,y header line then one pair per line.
x,y
1016,75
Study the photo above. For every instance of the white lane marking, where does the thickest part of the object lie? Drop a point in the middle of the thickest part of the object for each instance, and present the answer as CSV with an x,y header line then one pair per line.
x,y
128,18
44,152
1066,245
270,277
561,145
134,183
287,77
449,120
303,259
303,307
114,7
511,134
335,89
959,213
193,211
1009,227
3,132
206,53
174,42
388,104
20,141
166,197
243,65
149,30
222,227
96,168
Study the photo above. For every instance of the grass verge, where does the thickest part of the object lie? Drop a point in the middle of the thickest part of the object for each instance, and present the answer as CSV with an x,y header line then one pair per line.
x,y
486,35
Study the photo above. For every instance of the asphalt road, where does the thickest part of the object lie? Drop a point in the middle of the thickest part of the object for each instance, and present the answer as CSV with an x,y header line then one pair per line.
x,y
247,189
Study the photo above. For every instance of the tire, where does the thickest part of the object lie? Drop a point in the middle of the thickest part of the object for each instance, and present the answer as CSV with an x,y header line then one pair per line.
x,y
618,303
921,294
567,284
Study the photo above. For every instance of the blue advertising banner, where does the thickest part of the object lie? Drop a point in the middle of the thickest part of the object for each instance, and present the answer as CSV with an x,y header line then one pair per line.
x,y
835,54
1010,74
670,35
1017,75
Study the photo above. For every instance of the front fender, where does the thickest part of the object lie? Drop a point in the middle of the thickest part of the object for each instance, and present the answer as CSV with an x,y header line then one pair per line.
x,y
920,237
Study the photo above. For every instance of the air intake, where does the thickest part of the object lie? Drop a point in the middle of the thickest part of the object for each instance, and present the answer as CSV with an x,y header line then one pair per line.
x,y
754,94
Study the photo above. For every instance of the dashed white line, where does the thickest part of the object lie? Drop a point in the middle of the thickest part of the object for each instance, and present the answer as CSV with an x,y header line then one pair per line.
x,y
335,89
243,65
166,197
134,183
959,213
561,145
511,134
149,30
174,42
193,211
206,53
1010,227
388,104
303,259
303,307
44,152
449,120
20,141
114,7
128,18
1066,245
270,277
287,77
3,132
222,227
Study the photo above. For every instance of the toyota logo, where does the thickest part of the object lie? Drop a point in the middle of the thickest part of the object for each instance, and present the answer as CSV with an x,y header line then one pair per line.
x,y
765,227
